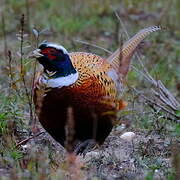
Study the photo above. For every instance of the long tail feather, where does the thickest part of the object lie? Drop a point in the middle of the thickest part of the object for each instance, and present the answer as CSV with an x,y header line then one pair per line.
x,y
121,58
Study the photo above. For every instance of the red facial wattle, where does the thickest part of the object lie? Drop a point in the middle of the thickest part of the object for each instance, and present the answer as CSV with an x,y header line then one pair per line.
x,y
50,52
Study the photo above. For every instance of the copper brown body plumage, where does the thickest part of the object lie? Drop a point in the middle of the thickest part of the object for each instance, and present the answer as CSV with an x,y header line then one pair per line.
x,y
86,82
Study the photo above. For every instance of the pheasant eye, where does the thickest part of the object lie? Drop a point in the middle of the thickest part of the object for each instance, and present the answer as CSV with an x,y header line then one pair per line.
x,y
52,51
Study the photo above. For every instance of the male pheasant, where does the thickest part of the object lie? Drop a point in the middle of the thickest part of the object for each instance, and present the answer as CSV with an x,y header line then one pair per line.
x,y
87,83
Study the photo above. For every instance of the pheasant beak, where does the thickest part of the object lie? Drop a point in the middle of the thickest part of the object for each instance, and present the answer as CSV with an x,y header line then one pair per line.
x,y
35,54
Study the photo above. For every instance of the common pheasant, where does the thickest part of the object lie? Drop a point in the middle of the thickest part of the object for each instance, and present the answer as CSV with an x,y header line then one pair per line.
x,y
87,83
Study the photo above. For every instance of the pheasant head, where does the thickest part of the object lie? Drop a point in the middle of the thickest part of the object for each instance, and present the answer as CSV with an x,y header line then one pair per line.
x,y
58,68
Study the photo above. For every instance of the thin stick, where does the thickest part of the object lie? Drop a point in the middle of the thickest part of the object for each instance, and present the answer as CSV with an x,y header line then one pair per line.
x,y
34,76
12,84
158,105
4,34
122,24
10,71
93,45
28,15
29,138
69,130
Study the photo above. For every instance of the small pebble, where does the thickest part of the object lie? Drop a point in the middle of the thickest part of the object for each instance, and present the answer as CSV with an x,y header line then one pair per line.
x,y
128,136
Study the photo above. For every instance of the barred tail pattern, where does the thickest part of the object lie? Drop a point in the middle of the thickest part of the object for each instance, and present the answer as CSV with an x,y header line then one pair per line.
x,y
121,58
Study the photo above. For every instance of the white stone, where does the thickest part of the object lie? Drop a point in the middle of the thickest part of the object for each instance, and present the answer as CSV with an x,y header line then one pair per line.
x,y
128,136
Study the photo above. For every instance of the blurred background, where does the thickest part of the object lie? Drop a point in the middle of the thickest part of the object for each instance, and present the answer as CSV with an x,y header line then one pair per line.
x,y
104,23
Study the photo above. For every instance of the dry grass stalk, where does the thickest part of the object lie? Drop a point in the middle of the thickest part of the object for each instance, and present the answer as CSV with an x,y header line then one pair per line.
x,y
70,132
93,45
36,35
12,82
22,70
4,34
10,71
28,15
161,96
157,104
74,165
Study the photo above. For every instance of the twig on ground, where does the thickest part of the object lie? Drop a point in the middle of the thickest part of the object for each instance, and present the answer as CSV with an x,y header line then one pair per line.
x,y
151,102
29,138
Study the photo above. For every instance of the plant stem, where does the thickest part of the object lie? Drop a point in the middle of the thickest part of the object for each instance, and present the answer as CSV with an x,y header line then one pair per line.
x,y
22,73
4,34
